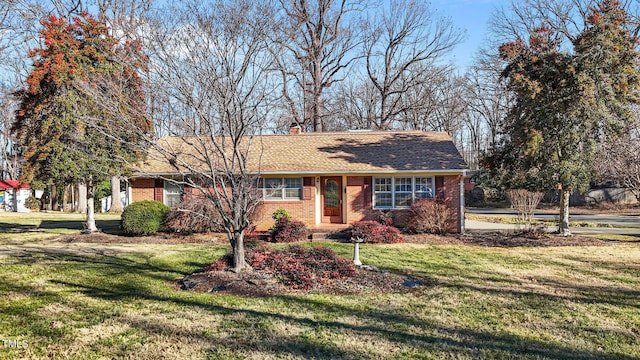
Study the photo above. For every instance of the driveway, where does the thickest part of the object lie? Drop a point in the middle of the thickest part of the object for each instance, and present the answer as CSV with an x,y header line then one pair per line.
x,y
622,224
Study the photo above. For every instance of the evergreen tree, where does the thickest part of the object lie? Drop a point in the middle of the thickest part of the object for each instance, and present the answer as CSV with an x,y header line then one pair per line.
x,y
64,132
566,103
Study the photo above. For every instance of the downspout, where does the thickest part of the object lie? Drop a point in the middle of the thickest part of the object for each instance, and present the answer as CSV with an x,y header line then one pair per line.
x,y
129,194
461,210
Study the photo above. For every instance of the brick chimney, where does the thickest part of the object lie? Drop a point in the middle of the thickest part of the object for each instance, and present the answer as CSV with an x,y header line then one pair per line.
x,y
295,129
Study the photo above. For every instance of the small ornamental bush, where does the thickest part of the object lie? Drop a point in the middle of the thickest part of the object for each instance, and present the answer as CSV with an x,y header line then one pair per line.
x,y
287,230
300,267
224,262
280,213
193,215
295,266
373,232
144,217
428,216
383,217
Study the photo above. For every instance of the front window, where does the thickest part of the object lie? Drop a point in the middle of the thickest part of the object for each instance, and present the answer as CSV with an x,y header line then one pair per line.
x,y
383,192
172,193
401,192
282,188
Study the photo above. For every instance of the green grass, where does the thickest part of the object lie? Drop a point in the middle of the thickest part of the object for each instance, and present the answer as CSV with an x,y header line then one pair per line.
x,y
498,219
90,301
22,227
617,237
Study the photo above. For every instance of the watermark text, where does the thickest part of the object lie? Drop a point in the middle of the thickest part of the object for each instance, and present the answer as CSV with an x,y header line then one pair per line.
x,y
14,344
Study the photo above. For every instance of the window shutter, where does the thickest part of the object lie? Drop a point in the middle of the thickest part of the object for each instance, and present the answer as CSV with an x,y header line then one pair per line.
x,y
307,187
366,191
308,181
440,193
158,190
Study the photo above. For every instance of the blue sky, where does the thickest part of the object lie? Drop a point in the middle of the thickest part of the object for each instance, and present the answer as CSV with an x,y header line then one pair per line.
x,y
471,15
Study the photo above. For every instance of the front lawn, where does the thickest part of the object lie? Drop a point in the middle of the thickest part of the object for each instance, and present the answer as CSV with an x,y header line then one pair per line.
x,y
104,300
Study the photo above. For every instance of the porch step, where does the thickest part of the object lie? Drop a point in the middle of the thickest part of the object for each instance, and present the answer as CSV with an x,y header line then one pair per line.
x,y
327,234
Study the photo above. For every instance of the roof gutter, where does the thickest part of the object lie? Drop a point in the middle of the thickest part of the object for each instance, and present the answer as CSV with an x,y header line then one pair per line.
x,y
462,172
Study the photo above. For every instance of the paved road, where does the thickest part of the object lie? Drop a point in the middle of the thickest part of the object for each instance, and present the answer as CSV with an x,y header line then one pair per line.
x,y
621,223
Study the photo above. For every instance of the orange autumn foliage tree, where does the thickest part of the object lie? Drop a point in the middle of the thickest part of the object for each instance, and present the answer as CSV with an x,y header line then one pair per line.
x,y
82,102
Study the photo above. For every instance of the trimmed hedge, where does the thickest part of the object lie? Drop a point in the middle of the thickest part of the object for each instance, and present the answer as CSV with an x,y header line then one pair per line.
x,y
144,217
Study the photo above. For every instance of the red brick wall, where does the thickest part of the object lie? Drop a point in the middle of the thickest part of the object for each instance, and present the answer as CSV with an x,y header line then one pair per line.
x,y
142,189
302,210
452,199
447,190
358,200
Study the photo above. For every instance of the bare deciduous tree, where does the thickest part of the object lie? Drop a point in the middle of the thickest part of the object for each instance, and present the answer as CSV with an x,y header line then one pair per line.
x,y
320,36
618,161
125,18
212,63
8,158
402,53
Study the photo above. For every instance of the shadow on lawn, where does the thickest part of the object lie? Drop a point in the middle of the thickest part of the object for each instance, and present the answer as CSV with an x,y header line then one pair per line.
x,y
400,329
251,329
396,327
107,226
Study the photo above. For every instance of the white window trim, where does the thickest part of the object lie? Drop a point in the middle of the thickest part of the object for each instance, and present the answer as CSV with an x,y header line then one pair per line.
x,y
393,190
167,193
282,189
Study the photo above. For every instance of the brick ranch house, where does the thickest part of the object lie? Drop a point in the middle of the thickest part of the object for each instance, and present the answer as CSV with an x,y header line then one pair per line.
x,y
337,178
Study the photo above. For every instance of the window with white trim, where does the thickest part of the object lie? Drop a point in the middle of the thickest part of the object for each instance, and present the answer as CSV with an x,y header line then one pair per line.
x,y
172,193
281,188
401,191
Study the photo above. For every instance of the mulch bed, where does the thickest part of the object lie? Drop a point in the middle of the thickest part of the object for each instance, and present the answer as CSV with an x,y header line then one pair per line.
x,y
253,283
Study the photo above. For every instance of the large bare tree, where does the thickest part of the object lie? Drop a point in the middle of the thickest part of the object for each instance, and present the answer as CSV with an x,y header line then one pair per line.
x,y
618,160
212,63
320,36
404,50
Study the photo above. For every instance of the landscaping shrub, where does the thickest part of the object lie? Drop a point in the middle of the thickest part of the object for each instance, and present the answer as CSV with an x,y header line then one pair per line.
x,y
288,230
193,215
428,216
32,203
304,268
524,202
373,232
295,266
383,217
280,213
144,217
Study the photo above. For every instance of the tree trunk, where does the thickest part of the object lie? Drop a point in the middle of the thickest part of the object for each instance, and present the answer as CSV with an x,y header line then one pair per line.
x,y
116,203
563,226
317,96
54,198
91,219
239,261
66,193
82,198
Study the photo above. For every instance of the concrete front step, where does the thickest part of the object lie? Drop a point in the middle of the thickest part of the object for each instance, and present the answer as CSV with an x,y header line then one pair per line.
x,y
326,235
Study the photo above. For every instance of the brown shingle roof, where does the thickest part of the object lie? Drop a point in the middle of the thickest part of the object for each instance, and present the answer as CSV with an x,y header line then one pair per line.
x,y
343,152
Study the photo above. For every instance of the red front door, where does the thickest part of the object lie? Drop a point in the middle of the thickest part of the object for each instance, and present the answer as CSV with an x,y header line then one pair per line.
x,y
331,199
